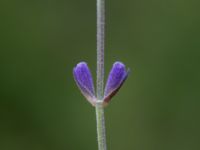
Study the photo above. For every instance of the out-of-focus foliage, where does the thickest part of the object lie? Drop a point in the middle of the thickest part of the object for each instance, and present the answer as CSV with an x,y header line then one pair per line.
x,y
42,40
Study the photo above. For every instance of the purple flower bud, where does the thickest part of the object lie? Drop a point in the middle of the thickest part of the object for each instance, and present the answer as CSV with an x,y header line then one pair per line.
x,y
116,78
84,81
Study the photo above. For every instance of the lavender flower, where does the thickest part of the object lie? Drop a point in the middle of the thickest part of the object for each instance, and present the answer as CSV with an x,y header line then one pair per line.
x,y
116,78
84,81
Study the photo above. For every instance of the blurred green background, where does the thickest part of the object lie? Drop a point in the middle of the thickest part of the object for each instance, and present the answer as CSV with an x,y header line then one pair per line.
x,y
41,41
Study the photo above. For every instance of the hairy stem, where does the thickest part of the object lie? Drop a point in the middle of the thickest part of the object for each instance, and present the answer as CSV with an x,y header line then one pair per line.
x,y
100,47
101,135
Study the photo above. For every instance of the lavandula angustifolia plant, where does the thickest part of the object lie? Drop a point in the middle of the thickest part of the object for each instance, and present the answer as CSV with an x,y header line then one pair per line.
x,y
84,81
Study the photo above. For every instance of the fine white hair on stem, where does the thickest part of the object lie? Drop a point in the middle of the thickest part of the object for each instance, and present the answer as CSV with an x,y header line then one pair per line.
x,y
100,47
101,134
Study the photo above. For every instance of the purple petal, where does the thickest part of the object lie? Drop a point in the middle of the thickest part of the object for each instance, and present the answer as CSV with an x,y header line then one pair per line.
x,y
84,81
116,78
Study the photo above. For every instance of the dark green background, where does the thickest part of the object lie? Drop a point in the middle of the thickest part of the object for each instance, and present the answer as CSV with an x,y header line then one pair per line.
x,y
41,41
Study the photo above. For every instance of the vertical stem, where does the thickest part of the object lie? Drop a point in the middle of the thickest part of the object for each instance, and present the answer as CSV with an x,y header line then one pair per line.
x,y
100,47
101,135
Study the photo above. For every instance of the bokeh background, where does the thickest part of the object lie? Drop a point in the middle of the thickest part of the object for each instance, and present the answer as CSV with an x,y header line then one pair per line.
x,y
41,41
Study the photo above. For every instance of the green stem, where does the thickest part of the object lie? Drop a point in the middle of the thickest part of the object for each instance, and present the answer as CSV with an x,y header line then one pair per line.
x,y
100,47
101,134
